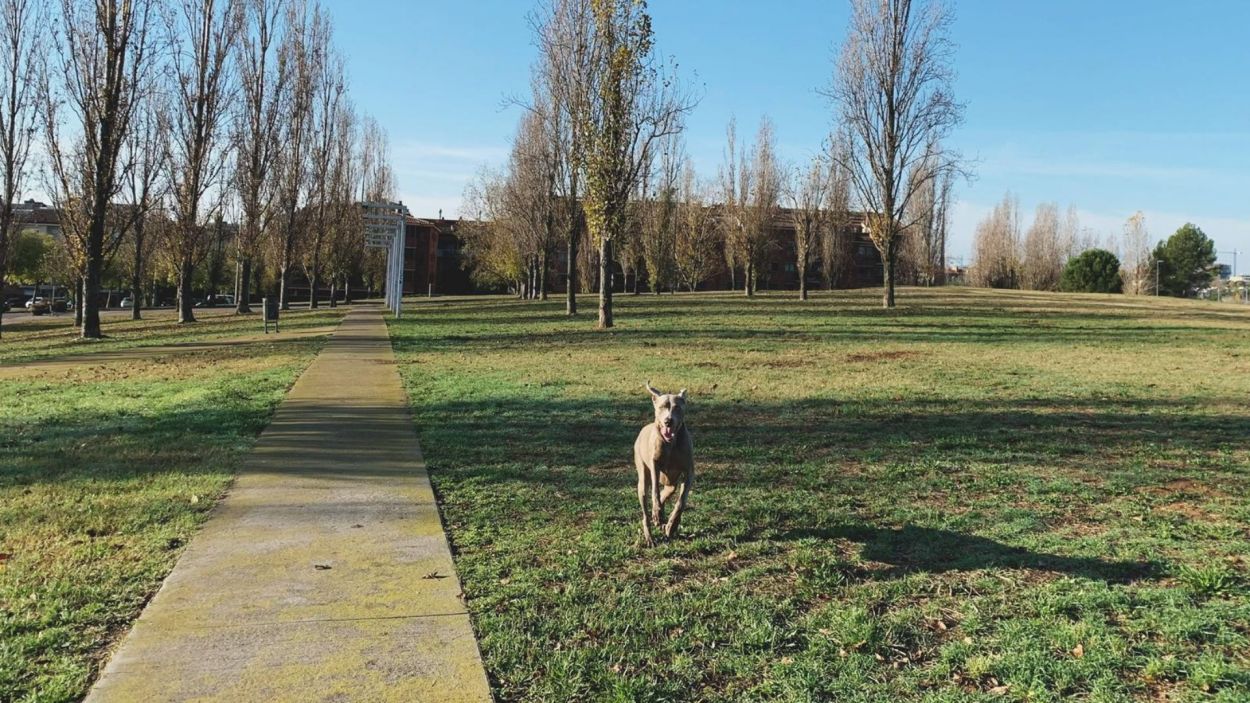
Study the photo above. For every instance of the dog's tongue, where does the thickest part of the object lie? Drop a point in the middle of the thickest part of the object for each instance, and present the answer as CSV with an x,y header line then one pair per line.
x,y
666,433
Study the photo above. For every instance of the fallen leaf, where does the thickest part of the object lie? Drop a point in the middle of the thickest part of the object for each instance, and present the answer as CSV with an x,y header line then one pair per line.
x,y
434,575
195,499
1078,651
322,567
967,640
1000,690
731,556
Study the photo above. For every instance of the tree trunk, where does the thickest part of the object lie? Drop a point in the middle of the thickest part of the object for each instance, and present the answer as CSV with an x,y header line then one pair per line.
x,y
78,301
313,281
90,298
242,296
802,282
748,285
542,276
605,284
887,262
347,289
334,293
186,276
283,276
136,276
570,290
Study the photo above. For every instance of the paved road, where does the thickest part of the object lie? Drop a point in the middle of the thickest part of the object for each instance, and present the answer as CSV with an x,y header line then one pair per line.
x,y
325,574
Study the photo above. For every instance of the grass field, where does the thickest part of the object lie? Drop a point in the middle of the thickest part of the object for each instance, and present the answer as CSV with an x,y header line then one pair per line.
x,y
27,338
977,496
107,469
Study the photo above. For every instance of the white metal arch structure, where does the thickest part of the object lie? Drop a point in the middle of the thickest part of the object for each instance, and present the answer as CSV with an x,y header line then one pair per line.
x,y
384,229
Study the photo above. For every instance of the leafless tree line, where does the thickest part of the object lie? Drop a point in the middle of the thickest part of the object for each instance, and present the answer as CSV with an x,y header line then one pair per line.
x,y
606,180
1007,256
171,128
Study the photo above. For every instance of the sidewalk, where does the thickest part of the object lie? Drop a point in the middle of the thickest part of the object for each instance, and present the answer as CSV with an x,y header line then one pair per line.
x,y
324,575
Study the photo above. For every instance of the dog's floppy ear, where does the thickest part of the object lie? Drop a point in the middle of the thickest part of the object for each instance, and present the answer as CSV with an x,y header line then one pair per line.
x,y
655,395
682,395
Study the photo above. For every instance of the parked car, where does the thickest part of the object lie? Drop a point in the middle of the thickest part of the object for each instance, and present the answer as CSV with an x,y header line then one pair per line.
x,y
61,304
38,306
127,302
37,300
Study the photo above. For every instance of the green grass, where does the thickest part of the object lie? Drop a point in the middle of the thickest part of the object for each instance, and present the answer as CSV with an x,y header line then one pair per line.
x,y
106,470
977,496
34,339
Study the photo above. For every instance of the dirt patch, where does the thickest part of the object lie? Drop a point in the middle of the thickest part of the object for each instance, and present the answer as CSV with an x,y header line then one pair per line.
x,y
880,356
1186,486
788,363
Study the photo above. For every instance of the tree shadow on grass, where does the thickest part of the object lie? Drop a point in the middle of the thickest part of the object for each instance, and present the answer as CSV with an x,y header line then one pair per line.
x,y
914,549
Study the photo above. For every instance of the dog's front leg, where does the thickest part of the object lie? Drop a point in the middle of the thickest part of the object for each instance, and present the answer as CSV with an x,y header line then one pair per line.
x,y
655,495
642,503
674,518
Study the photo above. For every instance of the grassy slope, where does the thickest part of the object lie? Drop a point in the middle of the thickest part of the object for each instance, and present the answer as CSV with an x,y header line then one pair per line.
x,y
978,496
105,473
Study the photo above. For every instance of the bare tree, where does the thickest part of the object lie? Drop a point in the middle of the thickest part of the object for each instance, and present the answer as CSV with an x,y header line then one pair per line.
x,y
145,187
696,236
306,33
529,201
21,40
631,105
344,248
763,200
201,34
996,246
735,188
1043,255
658,231
835,243
1136,255
924,247
257,124
104,65
563,78
892,85
809,209
330,90
377,179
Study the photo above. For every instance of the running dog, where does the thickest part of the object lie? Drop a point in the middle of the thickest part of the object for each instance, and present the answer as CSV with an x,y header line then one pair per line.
x,y
664,457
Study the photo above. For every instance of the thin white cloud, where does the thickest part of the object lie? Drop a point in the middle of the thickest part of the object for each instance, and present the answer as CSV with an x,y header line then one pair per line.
x,y
425,151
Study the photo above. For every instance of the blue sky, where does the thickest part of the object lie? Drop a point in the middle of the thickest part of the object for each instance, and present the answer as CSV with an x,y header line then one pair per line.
x,y
1111,106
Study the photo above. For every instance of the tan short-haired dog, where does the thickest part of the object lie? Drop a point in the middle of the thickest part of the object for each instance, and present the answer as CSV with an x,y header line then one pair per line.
x,y
664,456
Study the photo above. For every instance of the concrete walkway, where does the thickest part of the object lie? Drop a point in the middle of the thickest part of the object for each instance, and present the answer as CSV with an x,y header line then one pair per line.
x,y
324,575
